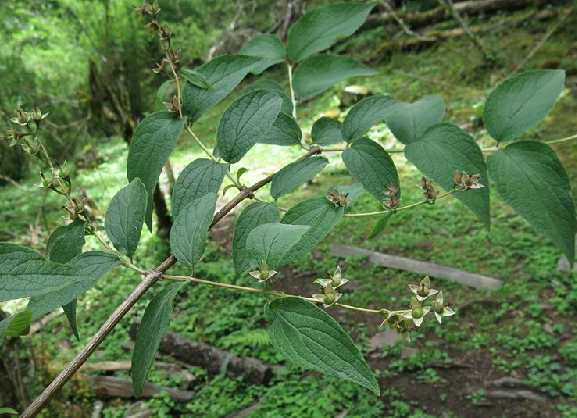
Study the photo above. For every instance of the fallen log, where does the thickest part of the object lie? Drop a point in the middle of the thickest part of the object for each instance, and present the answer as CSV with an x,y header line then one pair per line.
x,y
434,36
116,387
438,14
421,267
213,360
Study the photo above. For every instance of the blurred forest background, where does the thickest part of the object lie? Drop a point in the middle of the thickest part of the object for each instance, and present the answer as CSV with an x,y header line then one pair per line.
x,y
507,353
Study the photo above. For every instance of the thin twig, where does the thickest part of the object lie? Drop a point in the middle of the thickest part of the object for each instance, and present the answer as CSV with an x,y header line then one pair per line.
x,y
402,23
541,42
266,292
476,41
382,212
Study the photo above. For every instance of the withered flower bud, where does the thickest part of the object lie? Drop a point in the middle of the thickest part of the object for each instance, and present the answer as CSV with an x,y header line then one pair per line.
x,y
457,178
165,32
338,199
392,201
159,67
153,9
142,11
153,27
174,105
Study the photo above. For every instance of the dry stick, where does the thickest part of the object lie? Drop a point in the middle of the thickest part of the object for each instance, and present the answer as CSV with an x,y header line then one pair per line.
x,y
402,23
541,42
476,41
150,278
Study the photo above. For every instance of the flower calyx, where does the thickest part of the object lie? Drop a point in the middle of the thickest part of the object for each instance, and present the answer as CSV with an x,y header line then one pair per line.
x,y
263,273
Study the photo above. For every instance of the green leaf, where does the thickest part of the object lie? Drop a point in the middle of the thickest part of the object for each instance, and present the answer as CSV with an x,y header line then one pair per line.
x,y
7,410
290,177
316,212
381,225
3,325
326,131
271,242
321,72
245,122
444,148
353,192
66,242
25,273
284,132
223,74
151,144
411,120
200,177
70,312
255,214
265,46
366,114
520,102
318,29
195,78
161,93
125,216
309,337
273,87
19,324
188,234
94,264
41,305
371,166
154,325
530,178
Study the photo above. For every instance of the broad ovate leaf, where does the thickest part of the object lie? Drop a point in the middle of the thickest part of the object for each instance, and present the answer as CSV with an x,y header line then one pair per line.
x,y
366,114
520,102
284,132
321,72
25,273
125,216
188,233
326,131
195,78
271,243
371,166
223,74
150,147
255,214
66,242
530,178
154,325
198,178
317,213
94,264
410,121
266,46
273,87
318,29
445,148
245,122
309,337
290,177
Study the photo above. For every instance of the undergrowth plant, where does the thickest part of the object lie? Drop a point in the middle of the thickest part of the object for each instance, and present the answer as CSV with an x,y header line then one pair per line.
x,y
527,174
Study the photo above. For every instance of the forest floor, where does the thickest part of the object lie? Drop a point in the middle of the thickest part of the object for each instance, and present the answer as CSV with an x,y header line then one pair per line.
x,y
525,330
